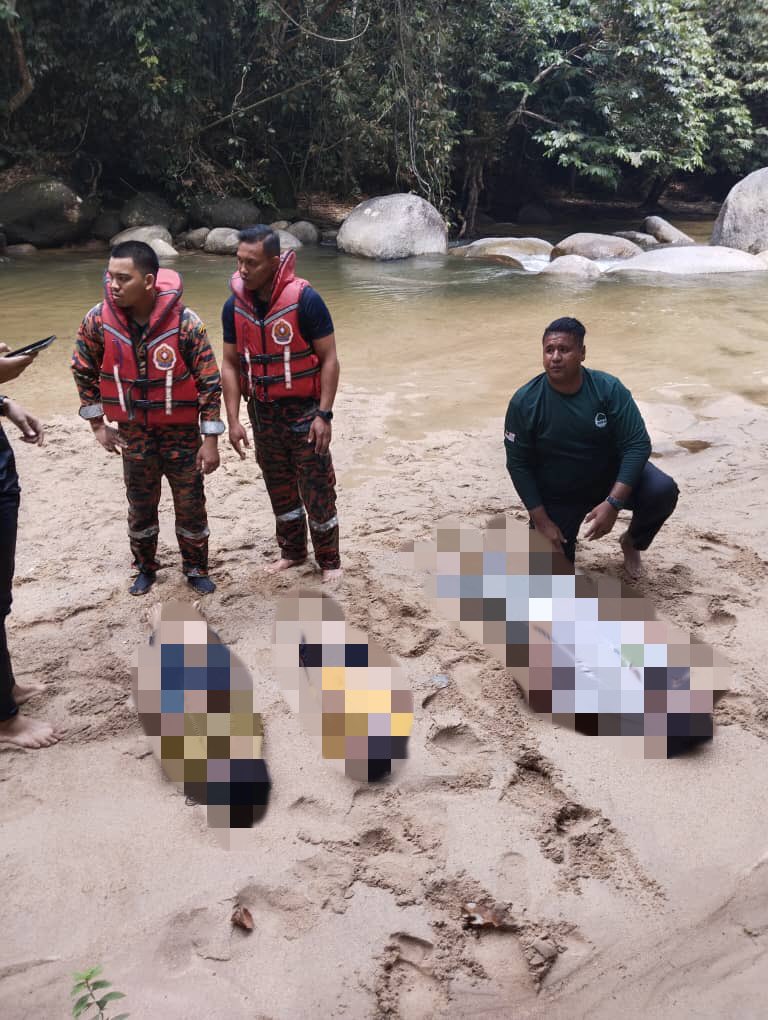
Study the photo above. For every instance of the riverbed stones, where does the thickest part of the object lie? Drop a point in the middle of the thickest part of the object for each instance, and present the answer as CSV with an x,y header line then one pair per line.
x,y
194,239
146,208
45,212
280,225
743,219
572,265
153,232
20,249
595,246
644,241
221,241
509,246
692,260
214,211
393,227
306,232
162,249
288,240
664,232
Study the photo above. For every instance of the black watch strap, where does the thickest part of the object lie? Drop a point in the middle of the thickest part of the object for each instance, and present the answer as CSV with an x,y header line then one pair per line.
x,y
325,415
3,405
617,504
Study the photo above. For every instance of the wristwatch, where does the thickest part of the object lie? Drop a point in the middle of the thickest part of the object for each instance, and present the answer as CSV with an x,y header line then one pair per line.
x,y
325,415
3,406
617,504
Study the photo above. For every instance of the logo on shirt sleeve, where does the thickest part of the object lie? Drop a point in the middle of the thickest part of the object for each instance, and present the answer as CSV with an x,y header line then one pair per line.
x,y
510,436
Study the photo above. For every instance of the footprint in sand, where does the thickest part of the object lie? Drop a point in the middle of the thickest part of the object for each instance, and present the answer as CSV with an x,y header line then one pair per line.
x,y
352,697
195,702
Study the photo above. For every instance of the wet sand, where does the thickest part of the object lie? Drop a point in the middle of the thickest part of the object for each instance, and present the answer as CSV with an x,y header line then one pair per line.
x,y
626,887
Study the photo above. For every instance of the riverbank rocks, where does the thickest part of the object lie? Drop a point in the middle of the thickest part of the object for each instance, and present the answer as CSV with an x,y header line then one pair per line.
x,y
533,212
221,241
45,212
664,232
288,240
106,224
155,232
692,260
595,246
393,227
572,265
644,241
323,208
280,225
146,209
194,239
306,232
743,219
213,211
508,246
328,237
162,249
15,250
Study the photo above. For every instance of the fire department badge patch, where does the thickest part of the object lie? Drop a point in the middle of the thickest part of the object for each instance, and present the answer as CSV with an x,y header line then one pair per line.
x,y
282,332
164,357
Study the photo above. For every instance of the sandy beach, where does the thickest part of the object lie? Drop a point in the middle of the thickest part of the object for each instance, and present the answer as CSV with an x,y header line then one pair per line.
x,y
623,888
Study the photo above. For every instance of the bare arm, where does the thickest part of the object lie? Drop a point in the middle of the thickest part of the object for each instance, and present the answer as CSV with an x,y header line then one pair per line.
x,y
320,431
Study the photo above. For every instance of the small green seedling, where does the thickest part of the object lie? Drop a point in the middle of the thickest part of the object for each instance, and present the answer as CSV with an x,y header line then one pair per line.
x,y
90,1002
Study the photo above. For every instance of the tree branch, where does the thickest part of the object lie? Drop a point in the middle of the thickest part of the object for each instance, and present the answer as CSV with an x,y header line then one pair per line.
x,y
27,83
261,102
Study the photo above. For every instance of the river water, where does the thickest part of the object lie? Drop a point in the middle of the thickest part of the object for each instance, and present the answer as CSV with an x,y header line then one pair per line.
x,y
451,337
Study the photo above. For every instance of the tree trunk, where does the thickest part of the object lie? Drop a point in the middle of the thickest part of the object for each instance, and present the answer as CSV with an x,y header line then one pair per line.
x,y
27,84
658,186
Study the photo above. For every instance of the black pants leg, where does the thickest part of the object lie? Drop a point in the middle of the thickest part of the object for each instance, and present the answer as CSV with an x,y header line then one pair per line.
x,y
652,501
9,514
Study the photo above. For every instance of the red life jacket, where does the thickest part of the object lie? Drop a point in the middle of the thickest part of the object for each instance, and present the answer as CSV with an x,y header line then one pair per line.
x,y
275,359
167,394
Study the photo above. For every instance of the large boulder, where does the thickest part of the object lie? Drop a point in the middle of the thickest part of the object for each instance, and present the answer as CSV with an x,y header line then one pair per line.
x,y
644,241
743,218
393,227
513,246
45,212
146,208
691,260
213,211
221,241
664,232
156,232
595,246
280,225
288,241
162,249
573,265
306,232
194,239
106,224
533,212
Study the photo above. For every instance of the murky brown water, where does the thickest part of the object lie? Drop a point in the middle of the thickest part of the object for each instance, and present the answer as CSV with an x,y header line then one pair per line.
x,y
452,337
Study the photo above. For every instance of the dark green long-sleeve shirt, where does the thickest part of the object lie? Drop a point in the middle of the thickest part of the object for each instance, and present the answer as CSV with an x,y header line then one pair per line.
x,y
568,448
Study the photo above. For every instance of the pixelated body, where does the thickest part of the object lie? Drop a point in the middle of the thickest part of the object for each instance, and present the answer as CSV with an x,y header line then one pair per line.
x,y
195,701
588,652
351,696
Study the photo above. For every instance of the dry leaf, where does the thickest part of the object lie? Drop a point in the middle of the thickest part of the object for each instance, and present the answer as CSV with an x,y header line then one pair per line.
x,y
475,916
242,917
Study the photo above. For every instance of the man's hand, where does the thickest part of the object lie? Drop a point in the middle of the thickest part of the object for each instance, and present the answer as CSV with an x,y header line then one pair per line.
x,y
11,368
31,429
208,455
109,438
238,435
320,434
601,520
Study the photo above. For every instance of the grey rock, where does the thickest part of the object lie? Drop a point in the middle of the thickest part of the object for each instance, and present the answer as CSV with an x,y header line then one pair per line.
x,y
106,224
221,241
155,232
45,212
280,225
328,237
595,246
692,260
512,246
664,232
213,211
162,249
146,208
306,232
288,241
21,249
194,239
644,241
572,265
743,219
393,227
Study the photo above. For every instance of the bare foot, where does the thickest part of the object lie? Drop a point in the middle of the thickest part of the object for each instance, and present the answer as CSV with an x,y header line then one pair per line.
x,y
29,733
333,576
22,694
282,564
632,562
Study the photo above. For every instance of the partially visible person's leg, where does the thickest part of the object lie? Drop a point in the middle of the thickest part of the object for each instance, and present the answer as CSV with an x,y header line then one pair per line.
x,y
9,511
142,472
653,500
178,449
317,485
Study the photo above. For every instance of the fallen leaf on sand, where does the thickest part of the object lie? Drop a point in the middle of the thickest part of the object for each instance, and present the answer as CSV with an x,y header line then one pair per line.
x,y
476,916
241,916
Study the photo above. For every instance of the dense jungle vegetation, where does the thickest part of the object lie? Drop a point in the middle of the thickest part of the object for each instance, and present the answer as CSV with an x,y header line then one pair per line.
x,y
474,104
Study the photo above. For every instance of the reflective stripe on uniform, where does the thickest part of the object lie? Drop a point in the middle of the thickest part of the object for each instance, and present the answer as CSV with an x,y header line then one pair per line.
x,y
325,526
292,515
146,533
193,535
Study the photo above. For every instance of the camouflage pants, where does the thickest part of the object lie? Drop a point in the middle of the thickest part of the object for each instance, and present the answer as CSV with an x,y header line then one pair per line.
x,y
300,482
150,454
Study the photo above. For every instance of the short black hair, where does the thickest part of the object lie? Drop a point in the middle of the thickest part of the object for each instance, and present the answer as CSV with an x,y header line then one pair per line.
x,y
566,325
261,234
142,255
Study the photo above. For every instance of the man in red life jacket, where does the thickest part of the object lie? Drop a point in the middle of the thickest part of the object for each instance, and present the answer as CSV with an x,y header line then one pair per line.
x,y
280,355
143,360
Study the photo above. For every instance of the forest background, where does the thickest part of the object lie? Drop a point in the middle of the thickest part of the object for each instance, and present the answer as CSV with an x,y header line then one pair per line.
x,y
477,105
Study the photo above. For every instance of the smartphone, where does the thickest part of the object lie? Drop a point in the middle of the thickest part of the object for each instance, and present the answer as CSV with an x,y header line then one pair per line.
x,y
33,348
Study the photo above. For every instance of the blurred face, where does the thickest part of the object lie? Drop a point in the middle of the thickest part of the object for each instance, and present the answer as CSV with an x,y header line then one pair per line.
x,y
130,287
256,268
562,360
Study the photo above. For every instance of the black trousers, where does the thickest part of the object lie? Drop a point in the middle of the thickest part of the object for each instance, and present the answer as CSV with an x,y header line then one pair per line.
x,y
652,501
9,514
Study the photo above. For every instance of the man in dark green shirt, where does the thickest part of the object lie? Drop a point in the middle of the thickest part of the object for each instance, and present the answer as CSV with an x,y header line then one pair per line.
x,y
577,448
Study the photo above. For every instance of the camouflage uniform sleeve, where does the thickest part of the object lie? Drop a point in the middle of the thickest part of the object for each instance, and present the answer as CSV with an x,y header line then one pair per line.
x,y
197,352
86,361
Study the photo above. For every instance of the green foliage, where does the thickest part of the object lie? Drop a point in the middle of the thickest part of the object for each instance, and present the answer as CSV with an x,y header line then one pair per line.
x,y
89,1003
